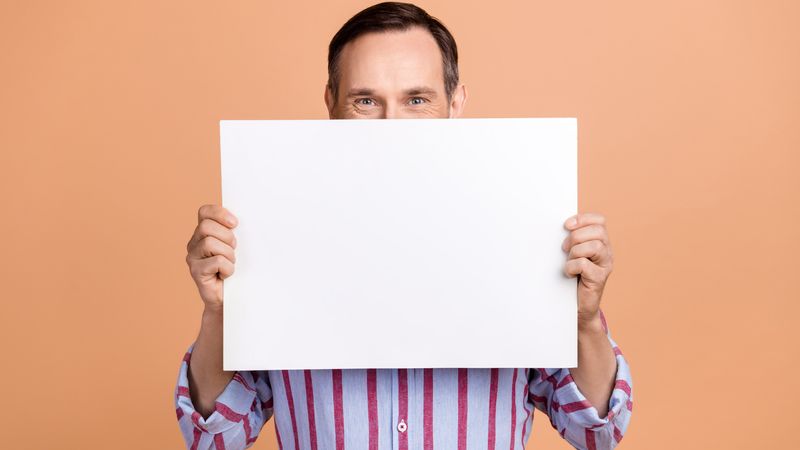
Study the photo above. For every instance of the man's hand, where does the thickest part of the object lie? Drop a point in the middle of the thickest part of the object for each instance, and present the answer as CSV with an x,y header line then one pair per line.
x,y
591,260
210,252
210,257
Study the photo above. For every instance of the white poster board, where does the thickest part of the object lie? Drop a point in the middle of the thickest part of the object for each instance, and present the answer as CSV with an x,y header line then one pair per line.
x,y
399,243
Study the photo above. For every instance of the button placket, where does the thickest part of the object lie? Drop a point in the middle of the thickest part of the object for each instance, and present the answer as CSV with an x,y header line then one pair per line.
x,y
395,410
404,411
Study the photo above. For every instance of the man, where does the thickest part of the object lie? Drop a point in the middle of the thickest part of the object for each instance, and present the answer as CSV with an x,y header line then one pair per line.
x,y
393,60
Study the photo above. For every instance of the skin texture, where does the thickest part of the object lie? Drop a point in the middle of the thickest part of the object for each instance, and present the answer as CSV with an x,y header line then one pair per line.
x,y
397,75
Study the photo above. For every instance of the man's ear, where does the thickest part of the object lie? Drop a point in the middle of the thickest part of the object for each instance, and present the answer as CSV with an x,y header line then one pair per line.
x,y
458,101
329,103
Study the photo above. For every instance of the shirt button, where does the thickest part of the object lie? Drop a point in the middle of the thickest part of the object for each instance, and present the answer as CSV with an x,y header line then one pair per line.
x,y
401,427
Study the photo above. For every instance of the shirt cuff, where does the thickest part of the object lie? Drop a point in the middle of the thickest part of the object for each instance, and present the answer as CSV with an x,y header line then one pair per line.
x,y
232,406
620,404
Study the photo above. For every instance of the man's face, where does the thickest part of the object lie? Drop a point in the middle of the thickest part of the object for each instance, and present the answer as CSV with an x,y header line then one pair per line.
x,y
393,75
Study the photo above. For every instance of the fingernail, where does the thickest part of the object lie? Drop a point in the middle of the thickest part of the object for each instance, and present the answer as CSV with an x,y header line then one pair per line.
x,y
572,222
231,220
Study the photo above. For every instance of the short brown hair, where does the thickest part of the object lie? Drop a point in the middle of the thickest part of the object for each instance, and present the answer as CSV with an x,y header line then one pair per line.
x,y
394,16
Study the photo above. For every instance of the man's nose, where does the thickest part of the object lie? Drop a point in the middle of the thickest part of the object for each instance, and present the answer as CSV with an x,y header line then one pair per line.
x,y
391,111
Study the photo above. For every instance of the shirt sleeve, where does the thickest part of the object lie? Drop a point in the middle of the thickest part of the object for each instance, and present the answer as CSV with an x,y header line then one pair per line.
x,y
240,412
554,392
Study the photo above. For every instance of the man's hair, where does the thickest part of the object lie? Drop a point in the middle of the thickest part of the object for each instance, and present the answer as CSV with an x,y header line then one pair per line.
x,y
393,16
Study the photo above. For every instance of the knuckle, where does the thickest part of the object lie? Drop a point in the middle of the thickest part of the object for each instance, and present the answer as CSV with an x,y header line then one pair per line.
x,y
203,210
206,243
204,227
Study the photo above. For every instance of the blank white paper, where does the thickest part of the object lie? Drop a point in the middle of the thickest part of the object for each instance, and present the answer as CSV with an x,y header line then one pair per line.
x,y
399,243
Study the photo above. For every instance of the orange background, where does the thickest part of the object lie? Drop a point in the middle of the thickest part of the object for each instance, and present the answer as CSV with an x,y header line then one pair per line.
x,y
689,142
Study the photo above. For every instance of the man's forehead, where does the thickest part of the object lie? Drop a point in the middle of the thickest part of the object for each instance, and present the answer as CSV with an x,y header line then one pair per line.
x,y
402,60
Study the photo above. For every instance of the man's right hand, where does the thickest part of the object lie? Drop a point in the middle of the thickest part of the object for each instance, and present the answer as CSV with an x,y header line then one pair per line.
x,y
210,252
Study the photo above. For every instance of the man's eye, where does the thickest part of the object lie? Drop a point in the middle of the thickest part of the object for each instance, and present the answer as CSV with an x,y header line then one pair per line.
x,y
365,101
417,101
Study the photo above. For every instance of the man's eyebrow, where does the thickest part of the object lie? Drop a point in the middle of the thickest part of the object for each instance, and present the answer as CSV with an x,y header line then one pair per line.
x,y
356,92
421,90
418,90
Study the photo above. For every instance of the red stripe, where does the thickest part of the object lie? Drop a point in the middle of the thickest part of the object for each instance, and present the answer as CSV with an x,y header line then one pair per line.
x,y
539,399
513,408
240,379
196,419
622,384
564,381
338,408
617,351
179,413
196,433
462,408
248,430
372,407
525,407
183,391
550,378
278,433
287,384
402,407
427,410
227,412
525,424
492,431
219,442
603,321
187,357
590,444
576,406
312,420
617,434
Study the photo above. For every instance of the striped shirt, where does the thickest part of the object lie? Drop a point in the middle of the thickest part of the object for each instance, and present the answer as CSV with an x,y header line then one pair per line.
x,y
402,409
